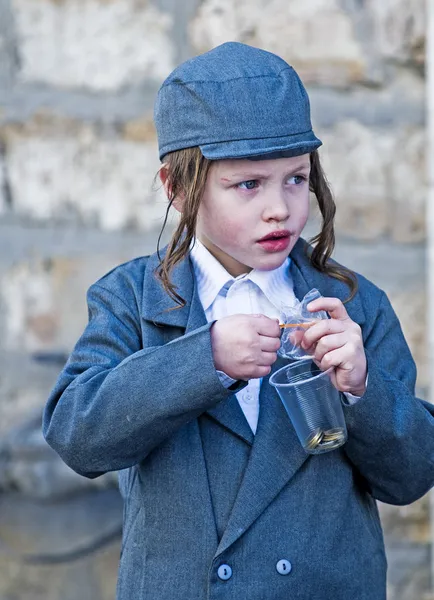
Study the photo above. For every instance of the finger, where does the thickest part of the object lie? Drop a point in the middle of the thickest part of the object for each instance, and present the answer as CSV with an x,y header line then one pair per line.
x,y
266,326
261,372
267,359
333,306
328,343
336,358
296,337
269,344
320,329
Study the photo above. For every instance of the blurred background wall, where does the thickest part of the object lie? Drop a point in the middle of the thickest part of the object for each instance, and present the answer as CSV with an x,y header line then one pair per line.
x,y
77,161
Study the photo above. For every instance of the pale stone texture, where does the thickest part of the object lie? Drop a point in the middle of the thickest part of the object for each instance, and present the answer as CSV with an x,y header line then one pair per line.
x,y
411,307
29,465
355,159
44,302
378,180
316,36
101,45
49,531
31,315
2,185
408,186
76,175
24,386
399,28
410,523
43,312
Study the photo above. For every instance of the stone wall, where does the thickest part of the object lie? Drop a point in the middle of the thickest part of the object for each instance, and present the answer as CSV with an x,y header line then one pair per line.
x,y
77,162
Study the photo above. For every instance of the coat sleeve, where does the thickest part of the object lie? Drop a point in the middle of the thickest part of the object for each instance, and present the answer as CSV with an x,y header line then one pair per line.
x,y
390,431
114,401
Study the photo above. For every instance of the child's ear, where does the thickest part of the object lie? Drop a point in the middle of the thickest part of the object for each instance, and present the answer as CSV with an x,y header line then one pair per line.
x,y
178,202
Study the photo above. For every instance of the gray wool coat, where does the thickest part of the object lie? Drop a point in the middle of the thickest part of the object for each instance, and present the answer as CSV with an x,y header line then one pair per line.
x,y
202,495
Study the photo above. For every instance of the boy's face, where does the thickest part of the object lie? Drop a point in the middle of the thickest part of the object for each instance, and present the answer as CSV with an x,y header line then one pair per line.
x,y
244,201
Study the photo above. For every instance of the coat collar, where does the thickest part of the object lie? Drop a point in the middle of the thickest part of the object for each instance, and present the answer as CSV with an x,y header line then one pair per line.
x,y
156,308
157,304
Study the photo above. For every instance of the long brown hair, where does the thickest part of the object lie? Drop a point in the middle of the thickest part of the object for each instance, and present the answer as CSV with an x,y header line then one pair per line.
x,y
187,174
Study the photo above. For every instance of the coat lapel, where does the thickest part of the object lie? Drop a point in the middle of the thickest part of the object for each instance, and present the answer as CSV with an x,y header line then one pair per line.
x,y
275,457
158,307
276,454
230,415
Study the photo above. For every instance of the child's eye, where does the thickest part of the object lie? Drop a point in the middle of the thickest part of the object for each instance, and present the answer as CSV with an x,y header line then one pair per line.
x,y
248,185
297,179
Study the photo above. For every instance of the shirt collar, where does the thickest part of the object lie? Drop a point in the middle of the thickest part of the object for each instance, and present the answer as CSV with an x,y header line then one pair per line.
x,y
276,284
211,277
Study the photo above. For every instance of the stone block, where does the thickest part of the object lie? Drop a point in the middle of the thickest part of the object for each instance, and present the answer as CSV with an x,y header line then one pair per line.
x,y
379,180
8,54
32,468
3,202
398,104
399,28
410,305
45,302
92,44
409,523
24,387
76,523
408,576
355,160
68,172
315,36
74,543
32,321
27,463
408,186
43,283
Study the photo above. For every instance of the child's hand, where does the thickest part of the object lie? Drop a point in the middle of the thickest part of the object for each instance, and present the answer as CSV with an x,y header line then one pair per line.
x,y
337,342
245,346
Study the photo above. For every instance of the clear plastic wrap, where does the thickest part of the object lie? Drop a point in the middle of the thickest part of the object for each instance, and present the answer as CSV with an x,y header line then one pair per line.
x,y
294,322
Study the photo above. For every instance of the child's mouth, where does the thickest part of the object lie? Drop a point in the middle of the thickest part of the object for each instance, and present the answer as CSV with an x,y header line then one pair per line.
x,y
275,241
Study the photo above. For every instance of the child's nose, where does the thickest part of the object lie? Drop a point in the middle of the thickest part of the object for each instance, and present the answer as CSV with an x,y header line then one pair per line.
x,y
276,208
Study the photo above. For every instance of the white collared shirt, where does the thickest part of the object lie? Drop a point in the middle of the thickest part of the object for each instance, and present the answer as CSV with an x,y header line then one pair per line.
x,y
257,292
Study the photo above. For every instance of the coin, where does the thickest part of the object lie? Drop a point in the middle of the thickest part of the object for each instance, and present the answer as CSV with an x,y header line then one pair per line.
x,y
332,438
314,440
333,435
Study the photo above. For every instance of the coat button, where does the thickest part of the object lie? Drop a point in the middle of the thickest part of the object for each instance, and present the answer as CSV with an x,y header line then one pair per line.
x,y
284,567
224,572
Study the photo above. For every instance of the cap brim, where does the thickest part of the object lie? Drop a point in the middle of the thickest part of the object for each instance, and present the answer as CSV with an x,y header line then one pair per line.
x,y
288,146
